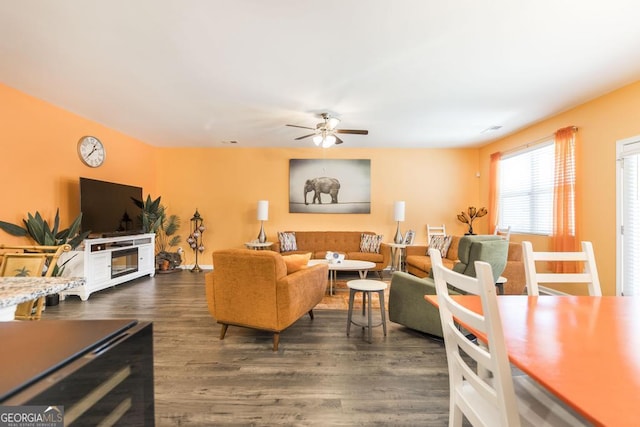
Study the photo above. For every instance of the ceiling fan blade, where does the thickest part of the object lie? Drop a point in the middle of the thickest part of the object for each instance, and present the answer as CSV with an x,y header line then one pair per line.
x,y
303,137
338,140
303,127
353,131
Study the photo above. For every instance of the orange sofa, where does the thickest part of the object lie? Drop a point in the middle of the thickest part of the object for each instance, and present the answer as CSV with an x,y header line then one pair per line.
x,y
419,264
344,242
253,289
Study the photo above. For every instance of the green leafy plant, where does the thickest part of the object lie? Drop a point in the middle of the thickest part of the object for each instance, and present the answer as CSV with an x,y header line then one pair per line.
x,y
44,234
155,220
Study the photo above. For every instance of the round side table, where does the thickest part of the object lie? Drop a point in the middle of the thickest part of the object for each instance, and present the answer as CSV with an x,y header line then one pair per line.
x,y
258,246
367,287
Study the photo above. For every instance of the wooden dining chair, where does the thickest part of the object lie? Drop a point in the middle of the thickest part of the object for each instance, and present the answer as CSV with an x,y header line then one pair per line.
x,y
505,232
435,230
481,384
589,275
30,261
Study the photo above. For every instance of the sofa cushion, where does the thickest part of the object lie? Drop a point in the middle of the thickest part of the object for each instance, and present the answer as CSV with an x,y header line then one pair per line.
x,y
370,243
287,241
440,243
296,262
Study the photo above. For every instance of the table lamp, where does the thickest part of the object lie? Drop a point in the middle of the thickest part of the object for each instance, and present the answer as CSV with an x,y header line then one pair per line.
x,y
398,215
263,215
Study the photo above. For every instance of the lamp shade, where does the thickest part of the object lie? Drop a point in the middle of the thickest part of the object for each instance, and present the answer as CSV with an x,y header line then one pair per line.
x,y
263,210
398,211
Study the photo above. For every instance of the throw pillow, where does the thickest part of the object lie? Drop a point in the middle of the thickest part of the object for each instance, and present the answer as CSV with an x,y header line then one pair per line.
x,y
296,262
370,243
287,241
440,243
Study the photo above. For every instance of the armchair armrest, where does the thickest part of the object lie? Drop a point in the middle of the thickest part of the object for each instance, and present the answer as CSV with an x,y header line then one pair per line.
x,y
385,250
408,307
416,250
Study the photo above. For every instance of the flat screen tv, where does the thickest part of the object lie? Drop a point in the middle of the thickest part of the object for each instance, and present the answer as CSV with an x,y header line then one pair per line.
x,y
108,208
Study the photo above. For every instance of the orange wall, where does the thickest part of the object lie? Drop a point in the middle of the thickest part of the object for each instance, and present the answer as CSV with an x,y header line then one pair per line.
x,y
601,122
39,165
40,169
224,184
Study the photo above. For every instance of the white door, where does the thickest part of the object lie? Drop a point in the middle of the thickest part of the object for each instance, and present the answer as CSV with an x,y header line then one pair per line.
x,y
628,217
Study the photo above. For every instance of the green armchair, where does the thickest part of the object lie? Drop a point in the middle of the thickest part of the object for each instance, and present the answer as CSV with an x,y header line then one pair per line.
x,y
406,294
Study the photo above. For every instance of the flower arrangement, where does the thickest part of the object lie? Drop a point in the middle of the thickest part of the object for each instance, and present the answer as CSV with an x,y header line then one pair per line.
x,y
471,214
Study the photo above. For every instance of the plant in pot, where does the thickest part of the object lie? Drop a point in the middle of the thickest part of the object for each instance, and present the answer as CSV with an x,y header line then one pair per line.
x,y
469,216
39,230
155,220
44,234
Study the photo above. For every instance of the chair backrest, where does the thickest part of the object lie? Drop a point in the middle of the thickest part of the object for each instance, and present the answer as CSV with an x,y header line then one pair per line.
x,y
30,261
435,230
534,278
483,247
505,232
483,402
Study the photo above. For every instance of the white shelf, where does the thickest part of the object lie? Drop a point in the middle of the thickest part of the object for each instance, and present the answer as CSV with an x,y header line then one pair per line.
x,y
106,262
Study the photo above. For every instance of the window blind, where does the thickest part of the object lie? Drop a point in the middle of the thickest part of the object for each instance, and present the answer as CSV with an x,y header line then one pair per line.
x,y
526,190
631,223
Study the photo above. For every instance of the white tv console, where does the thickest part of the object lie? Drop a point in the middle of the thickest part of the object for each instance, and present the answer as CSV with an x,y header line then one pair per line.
x,y
109,261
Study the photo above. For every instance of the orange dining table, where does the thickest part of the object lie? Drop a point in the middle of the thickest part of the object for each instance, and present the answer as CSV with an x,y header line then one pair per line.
x,y
585,350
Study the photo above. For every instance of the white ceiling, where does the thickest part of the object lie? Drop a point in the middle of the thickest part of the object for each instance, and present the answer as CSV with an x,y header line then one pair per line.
x,y
415,73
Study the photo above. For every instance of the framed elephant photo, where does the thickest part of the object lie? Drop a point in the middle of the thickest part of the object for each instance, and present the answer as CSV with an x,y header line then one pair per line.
x,y
330,186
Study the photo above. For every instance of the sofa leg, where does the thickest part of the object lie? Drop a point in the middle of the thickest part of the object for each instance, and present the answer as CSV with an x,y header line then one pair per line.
x,y
223,330
276,340
380,274
311,314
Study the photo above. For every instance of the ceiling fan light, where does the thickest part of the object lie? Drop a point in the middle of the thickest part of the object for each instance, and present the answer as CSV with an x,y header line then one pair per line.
x,y
317,139
332,122
328,141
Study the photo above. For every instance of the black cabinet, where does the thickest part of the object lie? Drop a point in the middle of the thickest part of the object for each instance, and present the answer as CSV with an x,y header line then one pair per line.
x,y
100,371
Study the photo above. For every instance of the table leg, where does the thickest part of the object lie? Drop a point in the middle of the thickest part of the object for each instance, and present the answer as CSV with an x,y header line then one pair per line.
x,y
382,312
352,294
369,318
363,273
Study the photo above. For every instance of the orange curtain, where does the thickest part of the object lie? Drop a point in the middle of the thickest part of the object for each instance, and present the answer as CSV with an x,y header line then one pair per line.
x,y
564,236
494,188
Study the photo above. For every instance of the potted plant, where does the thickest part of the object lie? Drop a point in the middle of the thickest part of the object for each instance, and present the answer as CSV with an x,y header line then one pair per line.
x,y
469,216
39,230
155,220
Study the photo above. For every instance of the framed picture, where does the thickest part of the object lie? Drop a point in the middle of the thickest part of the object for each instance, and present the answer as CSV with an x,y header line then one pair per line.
x,y
409,237
330,186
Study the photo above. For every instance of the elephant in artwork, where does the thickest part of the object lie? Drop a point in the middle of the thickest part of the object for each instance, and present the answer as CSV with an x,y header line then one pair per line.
x,y
322,185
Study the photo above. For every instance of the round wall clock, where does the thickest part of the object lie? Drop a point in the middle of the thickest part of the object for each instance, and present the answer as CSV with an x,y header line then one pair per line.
x,y
91,151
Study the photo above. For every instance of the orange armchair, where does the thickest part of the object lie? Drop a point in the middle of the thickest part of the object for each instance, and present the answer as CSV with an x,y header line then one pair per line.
x,y
252,289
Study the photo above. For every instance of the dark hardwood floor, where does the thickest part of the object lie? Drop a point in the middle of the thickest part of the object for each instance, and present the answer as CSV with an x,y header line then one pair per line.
x,y
319,376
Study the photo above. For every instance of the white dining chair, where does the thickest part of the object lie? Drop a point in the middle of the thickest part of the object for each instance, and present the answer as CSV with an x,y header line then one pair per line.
x,y
482,387
505,232
435,230
534,278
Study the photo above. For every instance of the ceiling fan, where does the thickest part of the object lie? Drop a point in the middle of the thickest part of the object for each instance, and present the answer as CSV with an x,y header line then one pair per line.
x,y
324,133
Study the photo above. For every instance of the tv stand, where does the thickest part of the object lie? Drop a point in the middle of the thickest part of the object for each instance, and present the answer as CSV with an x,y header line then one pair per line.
x,y
109,261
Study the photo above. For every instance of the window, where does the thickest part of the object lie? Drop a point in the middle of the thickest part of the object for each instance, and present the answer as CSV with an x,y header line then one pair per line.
x,y
526,190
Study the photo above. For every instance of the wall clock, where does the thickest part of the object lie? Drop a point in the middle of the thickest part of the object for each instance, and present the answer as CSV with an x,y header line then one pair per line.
x,y
91,151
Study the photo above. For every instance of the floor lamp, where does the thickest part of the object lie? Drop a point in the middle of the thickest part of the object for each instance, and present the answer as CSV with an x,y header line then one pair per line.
x,y
195,238
263,215
398,215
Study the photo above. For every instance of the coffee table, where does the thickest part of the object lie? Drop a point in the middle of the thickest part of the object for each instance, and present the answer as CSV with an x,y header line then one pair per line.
x,y
362,267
